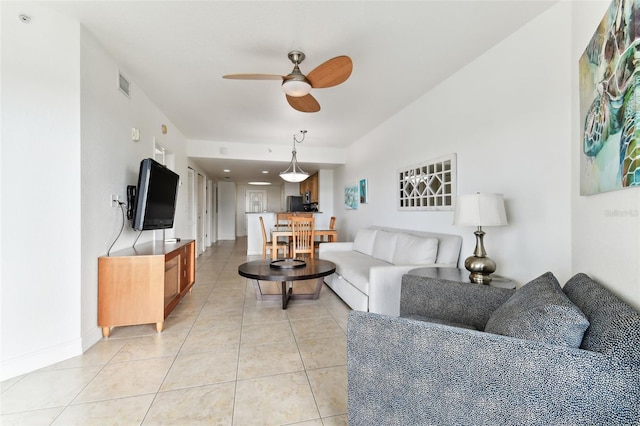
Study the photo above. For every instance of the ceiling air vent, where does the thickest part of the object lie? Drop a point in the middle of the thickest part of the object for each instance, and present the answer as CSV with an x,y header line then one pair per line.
x,y
123,84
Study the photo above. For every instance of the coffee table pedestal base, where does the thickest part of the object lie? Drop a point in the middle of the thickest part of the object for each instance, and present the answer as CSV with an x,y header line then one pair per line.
x,y
287,292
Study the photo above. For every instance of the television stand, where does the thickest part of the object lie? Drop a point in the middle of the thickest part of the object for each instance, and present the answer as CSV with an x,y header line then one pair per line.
x,y
142,285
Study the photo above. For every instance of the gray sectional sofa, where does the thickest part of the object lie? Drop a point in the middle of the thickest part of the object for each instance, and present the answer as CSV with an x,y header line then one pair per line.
x,y
465,354
369,270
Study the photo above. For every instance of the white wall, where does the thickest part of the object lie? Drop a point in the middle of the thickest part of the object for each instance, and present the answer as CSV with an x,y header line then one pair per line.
x,y
40,239
325,198
512,118
507,117
606,227
66,147
226,210
111,161
274,203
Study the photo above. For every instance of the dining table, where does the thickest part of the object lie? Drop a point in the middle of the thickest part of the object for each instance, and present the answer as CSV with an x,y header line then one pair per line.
x,y
285,231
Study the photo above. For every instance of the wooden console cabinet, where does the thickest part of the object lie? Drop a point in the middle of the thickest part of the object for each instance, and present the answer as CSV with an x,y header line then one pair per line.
x,y
142,285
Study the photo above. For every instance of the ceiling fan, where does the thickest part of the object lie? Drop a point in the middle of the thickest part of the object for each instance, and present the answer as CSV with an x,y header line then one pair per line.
x,y
297,86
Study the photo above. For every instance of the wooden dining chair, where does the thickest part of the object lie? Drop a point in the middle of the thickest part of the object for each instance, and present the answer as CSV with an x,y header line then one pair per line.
x,y
266,244
303,230
282,219
332,225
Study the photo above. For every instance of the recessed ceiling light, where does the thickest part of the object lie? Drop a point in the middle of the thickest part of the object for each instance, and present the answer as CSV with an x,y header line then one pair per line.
x,y
226,170
265,171
260,183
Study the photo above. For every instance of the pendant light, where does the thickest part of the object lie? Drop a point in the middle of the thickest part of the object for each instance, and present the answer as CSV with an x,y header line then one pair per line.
x,y
294,173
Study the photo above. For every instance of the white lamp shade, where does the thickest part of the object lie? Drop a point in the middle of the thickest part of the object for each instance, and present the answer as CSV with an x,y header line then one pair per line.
x,y
294,176
296,88
480,210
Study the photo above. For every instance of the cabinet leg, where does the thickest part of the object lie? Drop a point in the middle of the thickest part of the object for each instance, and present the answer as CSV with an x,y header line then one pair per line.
x,y
159,326
106,331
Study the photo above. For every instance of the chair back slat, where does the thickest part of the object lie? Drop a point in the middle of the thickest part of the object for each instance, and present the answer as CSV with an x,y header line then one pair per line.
x,y
303,229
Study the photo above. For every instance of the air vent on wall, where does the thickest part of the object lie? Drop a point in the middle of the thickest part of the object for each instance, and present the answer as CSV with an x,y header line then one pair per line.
x,y
123,84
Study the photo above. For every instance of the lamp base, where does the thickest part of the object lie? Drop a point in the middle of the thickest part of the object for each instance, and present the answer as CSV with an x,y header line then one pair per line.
x,y
480,268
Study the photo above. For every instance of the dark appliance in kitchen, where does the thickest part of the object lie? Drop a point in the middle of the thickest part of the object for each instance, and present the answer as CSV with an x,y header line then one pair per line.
x,y
294,203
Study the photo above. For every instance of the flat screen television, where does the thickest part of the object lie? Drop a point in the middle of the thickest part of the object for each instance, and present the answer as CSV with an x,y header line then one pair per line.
x,y
156,196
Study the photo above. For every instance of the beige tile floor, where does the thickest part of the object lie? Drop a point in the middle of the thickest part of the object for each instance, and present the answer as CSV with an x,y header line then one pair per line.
x,y
223,359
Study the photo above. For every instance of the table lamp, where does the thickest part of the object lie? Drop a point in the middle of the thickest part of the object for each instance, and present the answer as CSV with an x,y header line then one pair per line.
x,y
480,210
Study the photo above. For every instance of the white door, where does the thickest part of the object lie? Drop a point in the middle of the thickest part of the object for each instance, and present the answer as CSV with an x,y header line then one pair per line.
x,y
200,197
191,203
256,200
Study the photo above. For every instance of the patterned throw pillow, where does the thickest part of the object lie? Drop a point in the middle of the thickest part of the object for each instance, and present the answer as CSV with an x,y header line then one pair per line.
x,y
540,311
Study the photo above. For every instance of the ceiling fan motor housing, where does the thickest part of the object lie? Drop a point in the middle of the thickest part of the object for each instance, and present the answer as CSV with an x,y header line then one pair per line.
x,y
296,57
296,84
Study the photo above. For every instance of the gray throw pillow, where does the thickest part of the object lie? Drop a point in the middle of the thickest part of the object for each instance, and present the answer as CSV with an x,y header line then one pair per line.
x,y
540,311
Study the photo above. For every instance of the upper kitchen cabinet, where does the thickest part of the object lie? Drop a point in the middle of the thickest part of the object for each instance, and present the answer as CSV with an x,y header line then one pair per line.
x,y
310,184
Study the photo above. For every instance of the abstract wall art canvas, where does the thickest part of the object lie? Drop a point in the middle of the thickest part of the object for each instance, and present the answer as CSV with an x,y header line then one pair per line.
x,y
610,102
351,197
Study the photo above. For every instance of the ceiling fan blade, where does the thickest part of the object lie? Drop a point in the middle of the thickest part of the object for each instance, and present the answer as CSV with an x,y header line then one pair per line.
x,y
305,103
254,77
331,73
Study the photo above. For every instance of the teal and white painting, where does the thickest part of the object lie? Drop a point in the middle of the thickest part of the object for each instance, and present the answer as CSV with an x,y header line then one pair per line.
x,y
610,102
351,197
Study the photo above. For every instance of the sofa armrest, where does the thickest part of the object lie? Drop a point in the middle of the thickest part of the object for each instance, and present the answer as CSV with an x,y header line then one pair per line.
x,y
402,371
450,301
384,287
337,246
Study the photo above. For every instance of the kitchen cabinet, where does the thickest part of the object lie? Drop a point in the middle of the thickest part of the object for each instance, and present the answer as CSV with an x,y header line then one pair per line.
x,y
310,184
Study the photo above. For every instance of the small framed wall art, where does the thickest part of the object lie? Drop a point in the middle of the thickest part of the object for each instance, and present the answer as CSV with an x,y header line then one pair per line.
x,y
364,194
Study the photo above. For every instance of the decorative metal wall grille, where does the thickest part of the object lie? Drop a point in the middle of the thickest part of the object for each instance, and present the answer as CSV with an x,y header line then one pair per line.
x,y
428,186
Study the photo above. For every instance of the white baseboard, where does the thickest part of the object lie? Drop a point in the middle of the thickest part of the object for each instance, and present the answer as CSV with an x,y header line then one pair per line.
x,y
43,358
91,338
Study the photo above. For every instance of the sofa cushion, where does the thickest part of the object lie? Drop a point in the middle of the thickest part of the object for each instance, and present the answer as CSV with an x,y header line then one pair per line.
x,y
540,311
354,267
385,245
364,241
414,250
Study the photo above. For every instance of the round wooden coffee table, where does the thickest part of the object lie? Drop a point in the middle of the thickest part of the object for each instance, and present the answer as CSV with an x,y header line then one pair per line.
x,y
287,271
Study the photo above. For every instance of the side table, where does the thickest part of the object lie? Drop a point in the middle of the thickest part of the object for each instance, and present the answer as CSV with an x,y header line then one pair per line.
x,y
461,276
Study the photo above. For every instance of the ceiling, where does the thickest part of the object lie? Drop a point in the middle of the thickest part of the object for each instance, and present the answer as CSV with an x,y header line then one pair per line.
x,y
177,52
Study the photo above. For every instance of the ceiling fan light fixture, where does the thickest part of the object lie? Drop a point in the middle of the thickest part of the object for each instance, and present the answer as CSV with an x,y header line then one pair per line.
x,y
294,173
296,88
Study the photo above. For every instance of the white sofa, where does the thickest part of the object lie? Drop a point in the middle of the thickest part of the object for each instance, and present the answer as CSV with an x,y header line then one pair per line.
x,y
369,270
